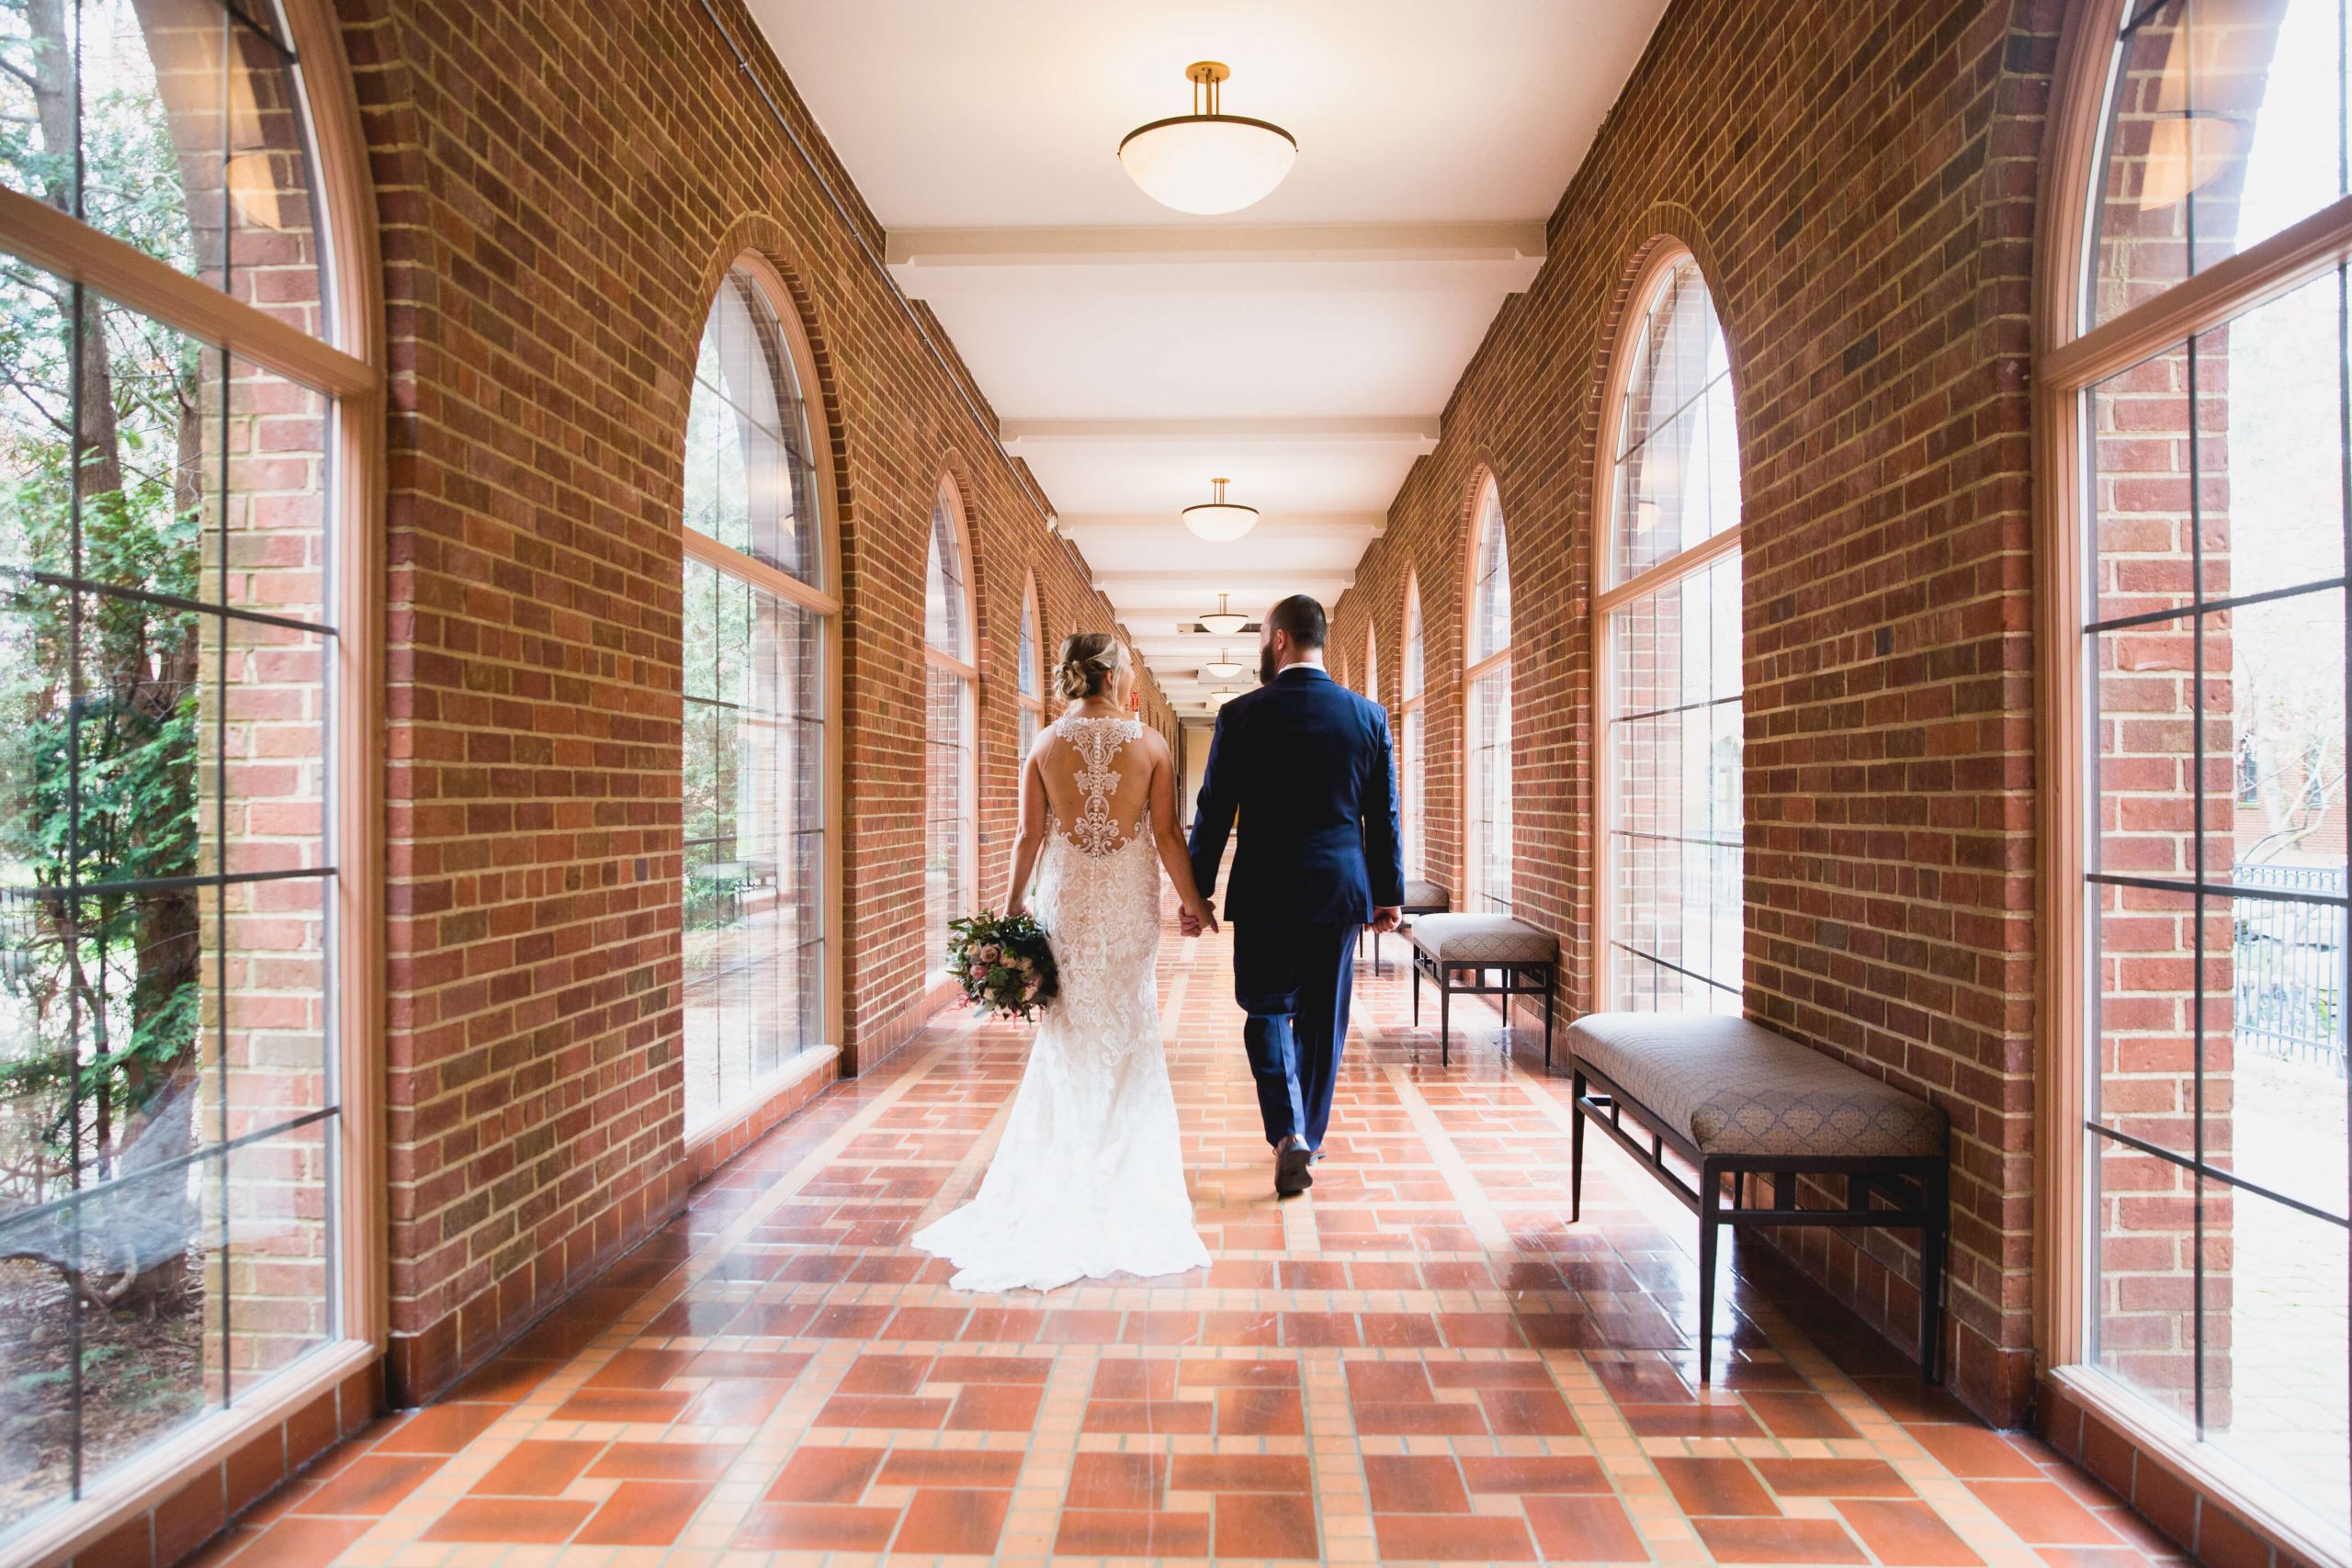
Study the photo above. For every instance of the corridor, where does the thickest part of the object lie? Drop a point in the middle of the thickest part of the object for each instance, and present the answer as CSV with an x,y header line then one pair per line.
x,y
1418,1360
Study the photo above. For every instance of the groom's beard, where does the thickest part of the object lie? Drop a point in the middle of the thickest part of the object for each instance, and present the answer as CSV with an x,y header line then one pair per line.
x,y
1266,665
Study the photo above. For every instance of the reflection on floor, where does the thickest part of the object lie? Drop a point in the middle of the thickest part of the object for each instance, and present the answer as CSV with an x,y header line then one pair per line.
x,y
1418,1360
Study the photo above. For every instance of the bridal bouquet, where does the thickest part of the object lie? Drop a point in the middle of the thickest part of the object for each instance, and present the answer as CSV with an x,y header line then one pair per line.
x,y
1005,966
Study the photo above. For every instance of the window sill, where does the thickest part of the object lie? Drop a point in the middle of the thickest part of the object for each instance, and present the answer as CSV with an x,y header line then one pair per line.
x,y
177,1462
2290,1527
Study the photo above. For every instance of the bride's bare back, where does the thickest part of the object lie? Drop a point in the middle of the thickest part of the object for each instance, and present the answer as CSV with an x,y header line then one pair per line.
x,y
1100,776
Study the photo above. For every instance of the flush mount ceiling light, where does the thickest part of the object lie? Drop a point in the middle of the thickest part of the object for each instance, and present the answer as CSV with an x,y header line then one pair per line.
x,y
1219,520
1207,161
1222,668
1225,623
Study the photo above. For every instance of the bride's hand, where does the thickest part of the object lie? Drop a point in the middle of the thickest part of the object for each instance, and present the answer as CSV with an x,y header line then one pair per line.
x,y
1015,909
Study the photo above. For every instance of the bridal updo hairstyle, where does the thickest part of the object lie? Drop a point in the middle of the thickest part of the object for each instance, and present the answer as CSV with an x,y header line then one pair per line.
x,y
1089,661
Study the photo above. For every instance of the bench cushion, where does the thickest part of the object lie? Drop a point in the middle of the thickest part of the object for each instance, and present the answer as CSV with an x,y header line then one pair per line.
x,y
1425,898
1736,1087
1482,939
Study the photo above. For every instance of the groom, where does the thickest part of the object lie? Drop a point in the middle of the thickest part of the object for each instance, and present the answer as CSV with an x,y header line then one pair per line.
x,y
1306,763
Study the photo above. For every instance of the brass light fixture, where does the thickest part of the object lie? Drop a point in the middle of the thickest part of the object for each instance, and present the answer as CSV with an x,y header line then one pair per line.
x,y
1217,520
1224,623
1208,160
1221,696
1223,668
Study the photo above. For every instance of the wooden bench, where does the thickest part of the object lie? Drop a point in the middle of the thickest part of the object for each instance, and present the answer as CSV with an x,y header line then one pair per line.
x,y
1448,947
1736,1100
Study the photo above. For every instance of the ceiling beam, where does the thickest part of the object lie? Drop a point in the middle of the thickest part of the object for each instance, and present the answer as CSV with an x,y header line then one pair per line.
x,y
1514,244
1415,433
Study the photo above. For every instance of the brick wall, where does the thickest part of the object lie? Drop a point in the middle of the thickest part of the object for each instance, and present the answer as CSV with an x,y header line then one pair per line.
x,y
560,185
1858,182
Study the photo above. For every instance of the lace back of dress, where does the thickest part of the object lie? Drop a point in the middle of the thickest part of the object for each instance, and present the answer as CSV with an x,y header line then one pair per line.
x,y
1098,829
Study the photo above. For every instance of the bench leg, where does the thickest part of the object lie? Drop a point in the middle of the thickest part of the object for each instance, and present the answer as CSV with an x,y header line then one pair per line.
x,y
1550,978
1711,1213
1931,1275
1576,1148
1417,993
1444,1020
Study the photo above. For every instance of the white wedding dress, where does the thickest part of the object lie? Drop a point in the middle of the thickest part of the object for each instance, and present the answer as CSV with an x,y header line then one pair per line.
x,y
1089,1179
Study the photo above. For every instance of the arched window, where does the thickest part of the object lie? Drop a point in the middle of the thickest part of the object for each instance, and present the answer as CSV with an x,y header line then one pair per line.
x,y
191,818
1371,664
1032,674
1668,689
951,682
1412,738
757,749
1486,859
2194,468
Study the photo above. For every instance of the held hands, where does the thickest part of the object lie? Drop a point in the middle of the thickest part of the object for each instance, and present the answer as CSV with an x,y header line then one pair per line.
x,y
1194,918
1387,917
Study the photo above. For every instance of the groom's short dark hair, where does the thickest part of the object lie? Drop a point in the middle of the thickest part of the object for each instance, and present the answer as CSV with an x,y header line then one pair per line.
x,y
1302,617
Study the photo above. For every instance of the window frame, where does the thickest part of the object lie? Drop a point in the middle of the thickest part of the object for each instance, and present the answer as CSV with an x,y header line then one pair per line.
x,y
1412,721
1485,495
2069,359
1656,269
346,368
769,280
1031,703
967,673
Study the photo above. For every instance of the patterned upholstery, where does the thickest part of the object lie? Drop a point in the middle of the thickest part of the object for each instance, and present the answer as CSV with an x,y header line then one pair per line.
x,y
1734,1087
1482,939
1426,898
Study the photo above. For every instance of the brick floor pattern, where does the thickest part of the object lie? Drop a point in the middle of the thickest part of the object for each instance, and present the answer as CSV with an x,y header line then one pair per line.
x,y
1421,1360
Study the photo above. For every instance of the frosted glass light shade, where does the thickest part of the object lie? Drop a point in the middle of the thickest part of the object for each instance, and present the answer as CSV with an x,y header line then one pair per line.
x,y
1220,522
1207,164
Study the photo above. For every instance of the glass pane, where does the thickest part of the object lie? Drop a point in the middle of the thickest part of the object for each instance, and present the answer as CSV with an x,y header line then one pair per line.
x,y
2274,784
2144,1318
944,604
1491,792
36,1367
2141,555
265,544
2145,766
189,129
276,1274
1676,744
2274,1052
1414,769
2275,1369
755,819
1490,606
1678,460
1413,672
2227,125
265,1042
1028,662
946,791
151,1360
2269,443
2144,949
751,462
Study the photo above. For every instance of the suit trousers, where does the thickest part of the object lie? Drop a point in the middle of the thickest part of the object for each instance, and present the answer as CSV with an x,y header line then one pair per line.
x,y
1294,979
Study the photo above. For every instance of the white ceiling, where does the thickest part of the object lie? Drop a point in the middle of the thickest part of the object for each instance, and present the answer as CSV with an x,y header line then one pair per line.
x,y
1302,348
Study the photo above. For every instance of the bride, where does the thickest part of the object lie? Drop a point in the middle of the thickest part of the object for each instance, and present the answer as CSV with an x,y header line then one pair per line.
x,y
1089,1180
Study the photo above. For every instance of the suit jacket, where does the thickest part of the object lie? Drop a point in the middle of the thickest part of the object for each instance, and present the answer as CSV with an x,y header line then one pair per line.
x,y
1306,763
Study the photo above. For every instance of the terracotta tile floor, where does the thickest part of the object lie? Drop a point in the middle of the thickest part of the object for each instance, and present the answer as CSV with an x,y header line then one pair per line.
x,y
1419,1360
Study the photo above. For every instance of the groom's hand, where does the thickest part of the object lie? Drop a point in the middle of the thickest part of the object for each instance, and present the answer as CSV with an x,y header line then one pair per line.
x,y
1387,918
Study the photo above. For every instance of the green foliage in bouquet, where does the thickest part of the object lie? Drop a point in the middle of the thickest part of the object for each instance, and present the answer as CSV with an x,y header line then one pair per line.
x,y
1006,967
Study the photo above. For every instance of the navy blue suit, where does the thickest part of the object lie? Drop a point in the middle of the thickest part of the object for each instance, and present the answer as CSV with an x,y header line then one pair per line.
x,y
1306,763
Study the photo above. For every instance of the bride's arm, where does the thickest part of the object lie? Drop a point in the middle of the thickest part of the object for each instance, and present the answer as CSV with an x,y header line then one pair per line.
x,y
1032,840
1174,857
